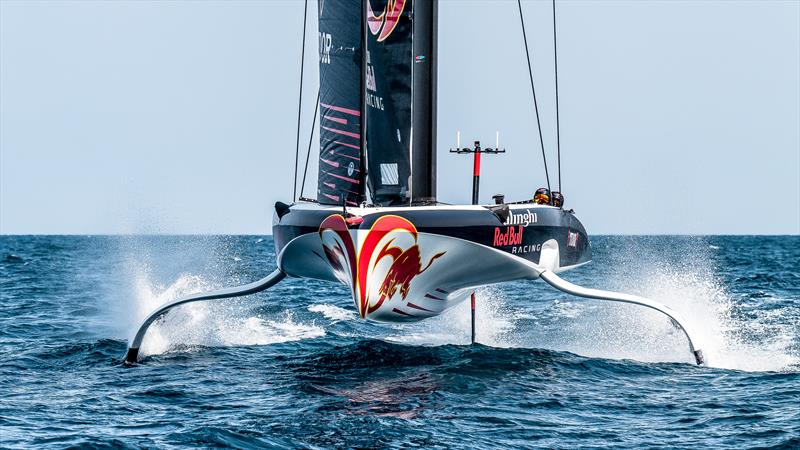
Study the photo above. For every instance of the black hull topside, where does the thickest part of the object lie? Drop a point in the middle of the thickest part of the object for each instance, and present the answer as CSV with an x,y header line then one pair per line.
x,y
408,263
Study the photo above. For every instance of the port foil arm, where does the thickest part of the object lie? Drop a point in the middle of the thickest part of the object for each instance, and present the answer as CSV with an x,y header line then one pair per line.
x,y
270,280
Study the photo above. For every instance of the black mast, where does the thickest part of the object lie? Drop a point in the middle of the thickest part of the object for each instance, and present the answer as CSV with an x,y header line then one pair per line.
x,y
423,125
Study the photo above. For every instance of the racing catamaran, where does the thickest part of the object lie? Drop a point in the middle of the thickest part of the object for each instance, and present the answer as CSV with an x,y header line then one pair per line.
x,y
376,224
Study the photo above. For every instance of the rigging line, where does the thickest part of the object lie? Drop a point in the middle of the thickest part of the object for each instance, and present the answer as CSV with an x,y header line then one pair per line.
x,y
558,125
533,89
310,141
300,102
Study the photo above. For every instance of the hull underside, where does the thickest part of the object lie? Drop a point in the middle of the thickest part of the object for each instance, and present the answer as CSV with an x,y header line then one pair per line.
x,y
411,263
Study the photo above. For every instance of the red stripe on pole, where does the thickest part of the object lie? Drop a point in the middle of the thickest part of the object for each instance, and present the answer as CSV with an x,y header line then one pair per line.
x,y
476,168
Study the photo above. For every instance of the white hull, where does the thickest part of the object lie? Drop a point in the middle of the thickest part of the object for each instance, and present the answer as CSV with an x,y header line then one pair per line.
x,y
402,274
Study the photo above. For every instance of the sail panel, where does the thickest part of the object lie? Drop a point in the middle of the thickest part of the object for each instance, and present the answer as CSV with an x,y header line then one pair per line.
x,y
400,100
388,100
340,176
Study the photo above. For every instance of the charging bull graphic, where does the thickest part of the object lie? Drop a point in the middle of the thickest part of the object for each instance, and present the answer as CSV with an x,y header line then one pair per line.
x,y
358,267
383,25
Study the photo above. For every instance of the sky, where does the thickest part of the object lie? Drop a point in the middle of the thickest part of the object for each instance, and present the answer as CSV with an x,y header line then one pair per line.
x,y
677,117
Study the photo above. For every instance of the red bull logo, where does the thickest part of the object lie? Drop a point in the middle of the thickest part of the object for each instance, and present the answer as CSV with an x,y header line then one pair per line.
x,y
405,265
512,236
383,24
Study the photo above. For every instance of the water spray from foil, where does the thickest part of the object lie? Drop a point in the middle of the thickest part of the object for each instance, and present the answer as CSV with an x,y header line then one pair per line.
x,y
532,315
688,285
151,281
213,324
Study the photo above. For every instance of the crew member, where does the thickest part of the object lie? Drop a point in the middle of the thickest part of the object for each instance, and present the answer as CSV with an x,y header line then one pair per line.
x,y
558,199
542,196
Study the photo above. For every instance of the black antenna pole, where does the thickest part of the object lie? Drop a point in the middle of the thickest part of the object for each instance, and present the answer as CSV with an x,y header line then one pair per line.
x,y
476,165
300,103
533,89
558,126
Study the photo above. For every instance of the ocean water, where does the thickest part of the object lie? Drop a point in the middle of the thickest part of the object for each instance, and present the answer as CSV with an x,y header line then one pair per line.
x,y
295,367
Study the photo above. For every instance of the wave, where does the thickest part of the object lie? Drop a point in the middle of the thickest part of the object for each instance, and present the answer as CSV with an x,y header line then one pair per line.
x,y
332,312
12,259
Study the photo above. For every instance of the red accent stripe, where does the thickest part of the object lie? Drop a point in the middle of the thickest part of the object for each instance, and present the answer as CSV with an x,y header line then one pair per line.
x,y
383,226
332,163
330,185
352,180
347,145
403,313
347,156
431,296
336,223
411,305
335,119
332,197
351,203
352,112
342,132
352,192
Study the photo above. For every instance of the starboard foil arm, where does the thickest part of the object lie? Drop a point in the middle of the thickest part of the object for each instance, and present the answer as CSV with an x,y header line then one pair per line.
x,y
237,291
563,285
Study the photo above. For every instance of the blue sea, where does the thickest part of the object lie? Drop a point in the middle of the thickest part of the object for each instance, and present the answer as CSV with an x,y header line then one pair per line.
x,y
294,367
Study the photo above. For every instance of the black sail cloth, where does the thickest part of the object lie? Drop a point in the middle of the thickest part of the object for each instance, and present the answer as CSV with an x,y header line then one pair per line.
x,y
378,106
341,177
